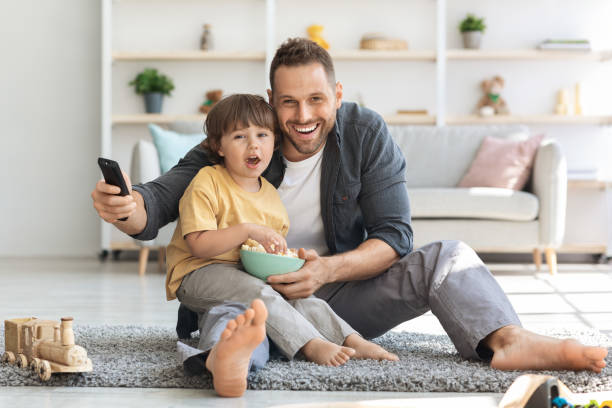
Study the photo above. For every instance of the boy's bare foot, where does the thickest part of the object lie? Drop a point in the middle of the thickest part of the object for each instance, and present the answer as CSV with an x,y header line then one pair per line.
x,y
228,360
515,348
326,353
367,350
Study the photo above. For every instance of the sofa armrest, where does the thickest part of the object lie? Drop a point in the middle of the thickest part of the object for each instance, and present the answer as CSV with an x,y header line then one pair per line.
x,y
550,186
145,163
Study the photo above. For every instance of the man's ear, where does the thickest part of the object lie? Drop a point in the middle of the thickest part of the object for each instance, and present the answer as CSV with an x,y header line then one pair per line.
x,y
270,97
338,94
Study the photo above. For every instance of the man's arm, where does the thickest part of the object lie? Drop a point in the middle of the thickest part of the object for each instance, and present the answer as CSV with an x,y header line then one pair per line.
x,y
369,259
152,205
111,207
385,208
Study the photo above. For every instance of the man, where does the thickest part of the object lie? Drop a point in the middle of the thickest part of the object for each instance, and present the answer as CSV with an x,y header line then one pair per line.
x,y
342,180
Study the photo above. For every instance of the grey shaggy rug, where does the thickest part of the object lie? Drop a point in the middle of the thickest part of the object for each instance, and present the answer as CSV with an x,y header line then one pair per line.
x,y
133,356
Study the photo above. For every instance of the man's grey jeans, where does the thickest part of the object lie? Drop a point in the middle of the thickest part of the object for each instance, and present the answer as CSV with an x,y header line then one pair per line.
x,y
446,277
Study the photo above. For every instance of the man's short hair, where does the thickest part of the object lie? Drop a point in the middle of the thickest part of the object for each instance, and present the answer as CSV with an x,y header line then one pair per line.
x,y
235,112
301,51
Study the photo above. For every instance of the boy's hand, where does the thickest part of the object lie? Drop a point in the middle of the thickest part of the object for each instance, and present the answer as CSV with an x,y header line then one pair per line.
x,y
111,207
271,240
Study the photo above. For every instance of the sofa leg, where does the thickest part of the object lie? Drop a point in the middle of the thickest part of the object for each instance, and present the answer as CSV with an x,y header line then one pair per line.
x,y
537,258
161,258
551,260
142,260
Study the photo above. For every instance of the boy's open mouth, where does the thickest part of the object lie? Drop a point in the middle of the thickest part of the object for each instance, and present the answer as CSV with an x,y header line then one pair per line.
x,y
253,161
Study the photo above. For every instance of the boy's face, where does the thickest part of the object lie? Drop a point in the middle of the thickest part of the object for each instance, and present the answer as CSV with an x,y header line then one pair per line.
x,y
247,152
306,105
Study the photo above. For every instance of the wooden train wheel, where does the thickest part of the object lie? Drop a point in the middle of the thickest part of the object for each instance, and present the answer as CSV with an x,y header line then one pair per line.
x,y
8,357
35,364
44,370
22,361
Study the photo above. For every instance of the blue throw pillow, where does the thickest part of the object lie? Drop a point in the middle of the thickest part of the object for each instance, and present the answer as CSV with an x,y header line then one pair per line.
x,y
172,146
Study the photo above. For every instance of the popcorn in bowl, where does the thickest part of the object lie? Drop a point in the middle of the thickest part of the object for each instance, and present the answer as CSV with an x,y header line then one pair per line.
x,y
254,246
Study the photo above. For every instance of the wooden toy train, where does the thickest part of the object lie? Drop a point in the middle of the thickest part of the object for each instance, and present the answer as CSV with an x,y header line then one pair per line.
x,y
45,346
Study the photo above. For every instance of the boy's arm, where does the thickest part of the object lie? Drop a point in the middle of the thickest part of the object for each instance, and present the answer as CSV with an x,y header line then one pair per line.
x,y
212,243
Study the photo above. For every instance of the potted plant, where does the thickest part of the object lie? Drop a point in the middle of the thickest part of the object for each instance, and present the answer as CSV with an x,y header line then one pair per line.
x,y
472,28
153,86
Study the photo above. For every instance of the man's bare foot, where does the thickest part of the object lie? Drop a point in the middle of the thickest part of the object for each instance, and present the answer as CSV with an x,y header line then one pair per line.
x,y
228,360
326,353
367,350
515,348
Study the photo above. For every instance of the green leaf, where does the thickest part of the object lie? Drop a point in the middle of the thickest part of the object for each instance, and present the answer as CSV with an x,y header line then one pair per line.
x,y
150,80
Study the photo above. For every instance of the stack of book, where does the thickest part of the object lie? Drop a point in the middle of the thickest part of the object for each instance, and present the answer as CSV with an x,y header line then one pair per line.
x,y
584,173
565,45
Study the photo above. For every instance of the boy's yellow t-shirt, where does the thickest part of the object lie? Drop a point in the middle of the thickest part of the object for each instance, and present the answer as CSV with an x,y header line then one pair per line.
x,y
213,201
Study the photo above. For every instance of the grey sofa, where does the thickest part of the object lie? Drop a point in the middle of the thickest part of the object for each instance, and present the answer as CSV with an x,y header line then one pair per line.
x,y
487,219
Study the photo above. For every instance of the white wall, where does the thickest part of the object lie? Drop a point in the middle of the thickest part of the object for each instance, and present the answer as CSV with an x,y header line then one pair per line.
x,y
51,84
50,81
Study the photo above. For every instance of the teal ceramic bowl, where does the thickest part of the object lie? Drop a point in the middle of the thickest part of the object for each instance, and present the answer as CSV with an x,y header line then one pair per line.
x,y
262,265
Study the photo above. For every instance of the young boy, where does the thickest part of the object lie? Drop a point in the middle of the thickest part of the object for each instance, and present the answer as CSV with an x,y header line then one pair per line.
x,y
228,203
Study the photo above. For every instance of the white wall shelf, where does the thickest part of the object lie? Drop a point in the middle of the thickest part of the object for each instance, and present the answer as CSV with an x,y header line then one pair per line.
x,y
528,54
530,119
161,118
383,55
144,118
189,55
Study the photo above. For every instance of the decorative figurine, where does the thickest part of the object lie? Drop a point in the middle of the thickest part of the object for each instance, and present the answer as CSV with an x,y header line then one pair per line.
x,y
46,346
492,100
212,97
562,107
315,33
577,97
206,41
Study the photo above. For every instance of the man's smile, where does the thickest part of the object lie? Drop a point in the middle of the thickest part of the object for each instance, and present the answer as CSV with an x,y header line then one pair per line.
x,y
305,131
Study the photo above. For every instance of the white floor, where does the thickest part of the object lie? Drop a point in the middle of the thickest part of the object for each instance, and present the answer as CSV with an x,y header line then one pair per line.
x,y
112,292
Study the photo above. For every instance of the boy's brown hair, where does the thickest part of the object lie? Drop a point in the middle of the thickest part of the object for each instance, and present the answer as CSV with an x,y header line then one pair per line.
x,y
234,112
301,51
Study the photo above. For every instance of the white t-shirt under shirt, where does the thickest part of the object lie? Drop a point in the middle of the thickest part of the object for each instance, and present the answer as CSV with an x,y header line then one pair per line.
x,y
300,192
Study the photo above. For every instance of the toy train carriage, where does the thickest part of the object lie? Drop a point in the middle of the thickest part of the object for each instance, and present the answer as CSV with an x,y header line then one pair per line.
x,y
46,345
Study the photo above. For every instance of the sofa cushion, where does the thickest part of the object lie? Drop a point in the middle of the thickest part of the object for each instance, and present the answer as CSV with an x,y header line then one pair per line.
x,y
479,202
172,146
502,163
440,156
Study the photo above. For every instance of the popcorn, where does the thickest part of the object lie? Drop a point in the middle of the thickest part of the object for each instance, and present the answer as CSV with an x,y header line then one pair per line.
x,y
252,245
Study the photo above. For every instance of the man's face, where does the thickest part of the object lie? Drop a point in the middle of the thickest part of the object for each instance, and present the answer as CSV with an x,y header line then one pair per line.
x,y
306,106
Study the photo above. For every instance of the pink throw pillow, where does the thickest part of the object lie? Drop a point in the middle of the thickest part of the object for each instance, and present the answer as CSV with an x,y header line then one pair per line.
x,y
502,163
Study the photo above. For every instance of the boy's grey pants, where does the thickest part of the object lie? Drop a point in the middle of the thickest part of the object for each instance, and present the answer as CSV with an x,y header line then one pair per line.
x,y
290,324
